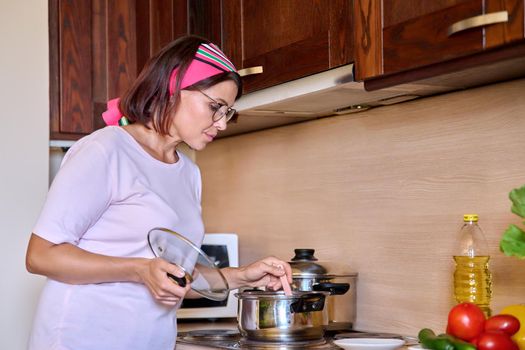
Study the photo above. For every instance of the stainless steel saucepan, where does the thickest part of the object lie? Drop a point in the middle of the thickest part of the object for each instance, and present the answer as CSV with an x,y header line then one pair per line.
x,y
275,317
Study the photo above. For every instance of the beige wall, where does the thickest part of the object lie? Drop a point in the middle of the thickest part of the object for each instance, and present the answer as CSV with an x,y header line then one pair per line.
x,y
24,157
382,191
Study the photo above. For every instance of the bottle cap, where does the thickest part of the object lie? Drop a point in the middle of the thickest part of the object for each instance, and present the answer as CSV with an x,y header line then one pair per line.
x,y
470,217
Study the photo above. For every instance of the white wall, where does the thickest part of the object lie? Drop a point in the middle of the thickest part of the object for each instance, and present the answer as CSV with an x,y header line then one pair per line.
x,y
24,154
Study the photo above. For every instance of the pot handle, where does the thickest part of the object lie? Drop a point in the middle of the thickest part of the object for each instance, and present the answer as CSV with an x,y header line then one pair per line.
x,y
181,281
308,303
333,288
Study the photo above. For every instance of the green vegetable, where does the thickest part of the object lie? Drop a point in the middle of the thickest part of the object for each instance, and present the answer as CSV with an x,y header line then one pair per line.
x,y
458,343
517,196
429,340
513,241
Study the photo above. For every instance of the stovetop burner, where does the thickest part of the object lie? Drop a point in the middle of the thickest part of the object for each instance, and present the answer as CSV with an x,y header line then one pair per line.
x,y
311,344
231,339
206,335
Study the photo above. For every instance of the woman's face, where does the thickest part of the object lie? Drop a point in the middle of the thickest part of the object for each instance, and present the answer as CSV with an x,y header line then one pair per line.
x,y
193,121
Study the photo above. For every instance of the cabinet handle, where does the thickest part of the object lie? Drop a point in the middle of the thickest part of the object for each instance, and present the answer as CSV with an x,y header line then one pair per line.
x,y
479,21
250,70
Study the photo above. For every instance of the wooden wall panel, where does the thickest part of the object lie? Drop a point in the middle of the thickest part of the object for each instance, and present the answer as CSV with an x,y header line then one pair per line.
x,y
383,191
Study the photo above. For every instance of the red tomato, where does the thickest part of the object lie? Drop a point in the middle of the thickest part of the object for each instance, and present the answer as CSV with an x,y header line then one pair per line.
x,y
496,341
507,324
475,341
465,321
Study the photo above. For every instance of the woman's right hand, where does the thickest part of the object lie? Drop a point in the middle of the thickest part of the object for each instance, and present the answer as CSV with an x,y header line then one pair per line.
x,y
155,277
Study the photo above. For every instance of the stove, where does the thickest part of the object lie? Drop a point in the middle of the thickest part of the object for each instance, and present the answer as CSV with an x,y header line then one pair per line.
x,y
231,339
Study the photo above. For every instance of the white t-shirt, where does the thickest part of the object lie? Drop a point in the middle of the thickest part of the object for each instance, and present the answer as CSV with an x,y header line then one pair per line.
x,y
108,194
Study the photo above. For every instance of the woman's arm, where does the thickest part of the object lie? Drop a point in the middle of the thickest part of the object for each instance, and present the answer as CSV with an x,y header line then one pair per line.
x,y
70,264
262,273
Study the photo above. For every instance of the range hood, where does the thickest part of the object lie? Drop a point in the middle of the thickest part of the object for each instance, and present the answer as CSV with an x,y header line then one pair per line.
x,y
330,93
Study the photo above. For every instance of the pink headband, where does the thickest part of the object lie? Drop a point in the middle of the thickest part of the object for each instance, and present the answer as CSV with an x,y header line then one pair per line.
x,y
209,60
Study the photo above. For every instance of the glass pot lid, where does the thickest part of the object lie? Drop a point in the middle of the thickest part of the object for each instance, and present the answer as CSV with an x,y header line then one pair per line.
x,y
305,265
200,270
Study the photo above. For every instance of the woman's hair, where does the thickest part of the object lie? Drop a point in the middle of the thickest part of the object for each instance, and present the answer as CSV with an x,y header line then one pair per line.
x,y
148,99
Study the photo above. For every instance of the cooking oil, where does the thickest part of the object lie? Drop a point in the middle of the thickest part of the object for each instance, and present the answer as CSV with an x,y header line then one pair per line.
x,y
472,277
473,281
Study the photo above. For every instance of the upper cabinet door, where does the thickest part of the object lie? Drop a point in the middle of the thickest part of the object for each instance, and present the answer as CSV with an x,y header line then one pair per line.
x,y
508,31
398,35
288,39
97,49
71,66
415,33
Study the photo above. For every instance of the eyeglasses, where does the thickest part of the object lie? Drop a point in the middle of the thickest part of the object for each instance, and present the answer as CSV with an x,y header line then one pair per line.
x,y
220,110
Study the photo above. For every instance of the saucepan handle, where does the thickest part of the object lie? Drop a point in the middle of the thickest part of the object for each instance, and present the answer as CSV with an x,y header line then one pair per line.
x,y
308,303
333,288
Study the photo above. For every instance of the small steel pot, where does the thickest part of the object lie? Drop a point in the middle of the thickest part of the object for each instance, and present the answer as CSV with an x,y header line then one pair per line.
x,y
310,274
275,317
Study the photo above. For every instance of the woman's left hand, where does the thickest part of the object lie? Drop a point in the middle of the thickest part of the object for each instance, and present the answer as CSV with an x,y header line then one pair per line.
x,y
263,273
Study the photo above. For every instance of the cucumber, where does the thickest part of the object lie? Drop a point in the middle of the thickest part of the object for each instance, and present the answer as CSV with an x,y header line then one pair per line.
x,y
458,343
429,340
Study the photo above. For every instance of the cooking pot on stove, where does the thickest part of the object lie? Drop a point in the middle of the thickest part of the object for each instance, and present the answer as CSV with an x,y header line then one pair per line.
x,y
310,274
275,317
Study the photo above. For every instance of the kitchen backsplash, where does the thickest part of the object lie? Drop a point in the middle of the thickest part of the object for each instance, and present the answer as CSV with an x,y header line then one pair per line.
x,y
383,191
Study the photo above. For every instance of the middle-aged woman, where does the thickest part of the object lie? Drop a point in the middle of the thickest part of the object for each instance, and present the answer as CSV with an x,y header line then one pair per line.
x,y
105,288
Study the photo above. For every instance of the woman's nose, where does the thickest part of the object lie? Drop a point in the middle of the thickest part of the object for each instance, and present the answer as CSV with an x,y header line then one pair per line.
x,y
221,124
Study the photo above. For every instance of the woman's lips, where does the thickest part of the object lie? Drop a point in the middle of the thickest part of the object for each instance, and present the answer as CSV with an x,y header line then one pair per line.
x,y
210,136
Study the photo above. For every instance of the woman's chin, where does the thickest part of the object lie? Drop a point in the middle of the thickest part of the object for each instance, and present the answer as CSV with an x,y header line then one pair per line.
x,y
197,146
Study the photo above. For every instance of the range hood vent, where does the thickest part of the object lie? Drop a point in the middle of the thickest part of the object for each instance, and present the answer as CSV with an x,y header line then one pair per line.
x,y
325,94
329,93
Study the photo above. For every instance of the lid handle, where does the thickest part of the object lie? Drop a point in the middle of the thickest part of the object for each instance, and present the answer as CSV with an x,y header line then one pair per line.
x,y
304,254
181,281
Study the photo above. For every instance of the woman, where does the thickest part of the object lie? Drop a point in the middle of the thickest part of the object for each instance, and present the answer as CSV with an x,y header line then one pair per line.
x,y
105,288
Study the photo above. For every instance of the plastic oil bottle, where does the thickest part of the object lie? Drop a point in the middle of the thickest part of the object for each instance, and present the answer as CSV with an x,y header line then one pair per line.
x,y
472,277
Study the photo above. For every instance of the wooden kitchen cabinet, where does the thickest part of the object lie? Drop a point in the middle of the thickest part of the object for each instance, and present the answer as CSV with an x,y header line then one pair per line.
x,y
393,36
289,39
97,49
